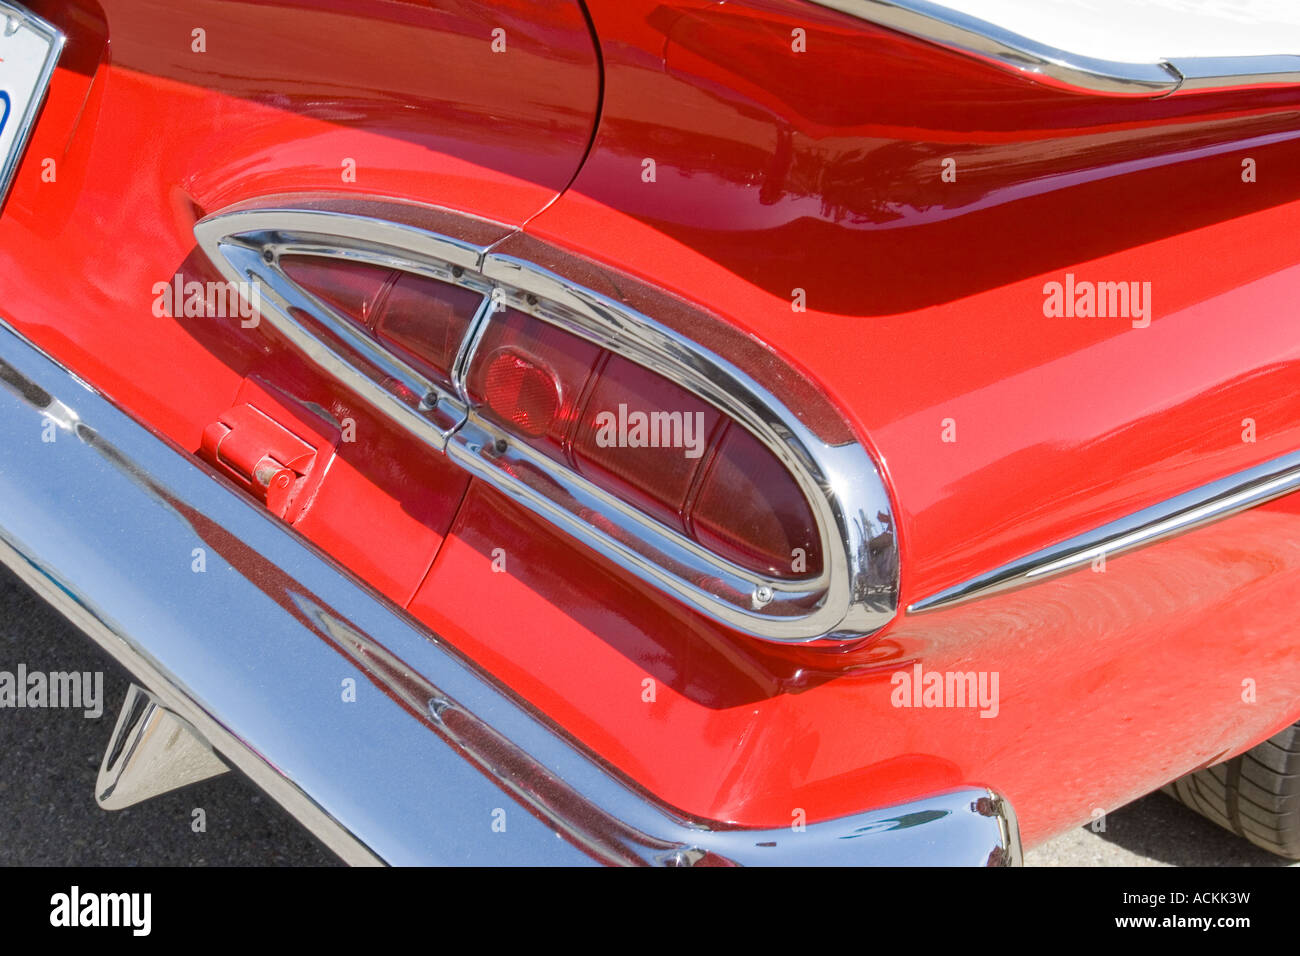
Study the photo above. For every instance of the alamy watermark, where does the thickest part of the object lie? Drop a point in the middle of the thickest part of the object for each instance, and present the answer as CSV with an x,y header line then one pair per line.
x,y
208,300
637,429
1084,299
918,688
78,690
132,911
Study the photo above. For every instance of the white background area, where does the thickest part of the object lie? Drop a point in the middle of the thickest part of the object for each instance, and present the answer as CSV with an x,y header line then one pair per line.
x,y
1147,31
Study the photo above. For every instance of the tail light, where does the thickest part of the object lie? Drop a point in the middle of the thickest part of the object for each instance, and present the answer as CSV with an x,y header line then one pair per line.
x,y
647,440
641,443
514,340
421,319
521,393
750,510
425,320
354,288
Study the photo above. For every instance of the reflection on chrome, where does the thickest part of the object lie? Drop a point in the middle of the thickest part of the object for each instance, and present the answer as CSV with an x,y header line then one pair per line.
x,y
1008,50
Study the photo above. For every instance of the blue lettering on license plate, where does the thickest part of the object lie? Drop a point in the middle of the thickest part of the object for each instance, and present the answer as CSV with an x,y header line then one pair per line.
x,y
4,110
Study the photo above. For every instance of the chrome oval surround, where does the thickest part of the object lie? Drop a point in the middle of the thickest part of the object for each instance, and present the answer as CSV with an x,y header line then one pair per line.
x,y
1008,50
857,590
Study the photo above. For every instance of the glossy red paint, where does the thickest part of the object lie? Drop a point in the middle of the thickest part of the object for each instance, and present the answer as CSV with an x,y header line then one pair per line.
x,y
1062,424
1109,685
149,134
774,177
774,170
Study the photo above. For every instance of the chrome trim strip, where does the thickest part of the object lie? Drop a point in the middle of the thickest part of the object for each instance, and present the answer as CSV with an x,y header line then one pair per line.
x,y
1010,51
251,654
857,590
1193,509
27,122
468,346
1205,73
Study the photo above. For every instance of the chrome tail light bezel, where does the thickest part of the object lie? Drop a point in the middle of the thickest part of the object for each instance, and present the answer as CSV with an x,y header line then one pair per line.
x,y
856,592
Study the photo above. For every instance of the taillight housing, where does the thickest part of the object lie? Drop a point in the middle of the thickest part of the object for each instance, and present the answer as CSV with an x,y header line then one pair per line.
x,y
655,451
646,439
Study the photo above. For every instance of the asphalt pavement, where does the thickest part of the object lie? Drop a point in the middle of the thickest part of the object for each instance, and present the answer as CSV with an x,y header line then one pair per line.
x,y
49,759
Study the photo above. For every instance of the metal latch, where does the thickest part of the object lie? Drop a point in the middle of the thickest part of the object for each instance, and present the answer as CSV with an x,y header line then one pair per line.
x,y
262,456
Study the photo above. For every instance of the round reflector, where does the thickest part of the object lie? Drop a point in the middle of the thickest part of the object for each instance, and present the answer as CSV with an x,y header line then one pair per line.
x,y
519,390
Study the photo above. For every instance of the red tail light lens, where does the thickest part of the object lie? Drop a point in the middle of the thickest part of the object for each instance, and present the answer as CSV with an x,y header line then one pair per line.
x,y
644,438
425,320
422,319
647,440
513,342
751,511
352,288
522,392
633,432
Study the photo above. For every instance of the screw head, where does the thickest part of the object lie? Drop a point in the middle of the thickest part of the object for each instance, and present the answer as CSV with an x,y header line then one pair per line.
x,y
762,597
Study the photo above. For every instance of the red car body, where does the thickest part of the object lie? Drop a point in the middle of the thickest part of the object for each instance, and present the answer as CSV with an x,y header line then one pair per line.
x,y
776,170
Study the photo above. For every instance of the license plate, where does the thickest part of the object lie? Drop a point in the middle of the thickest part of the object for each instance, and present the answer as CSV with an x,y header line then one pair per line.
x,y
29,48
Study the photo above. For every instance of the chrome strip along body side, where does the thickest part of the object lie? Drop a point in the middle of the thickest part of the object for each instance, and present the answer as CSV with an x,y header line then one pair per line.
x,y
104,522
971,36
1219,499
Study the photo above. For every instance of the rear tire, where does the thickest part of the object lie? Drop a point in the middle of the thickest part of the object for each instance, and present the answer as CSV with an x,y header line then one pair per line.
x,y
1255,795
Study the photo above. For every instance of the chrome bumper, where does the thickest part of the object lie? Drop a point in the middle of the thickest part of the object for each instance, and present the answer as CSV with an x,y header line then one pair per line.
x,y
432,763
